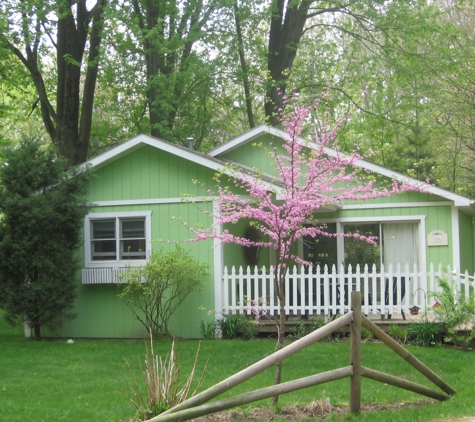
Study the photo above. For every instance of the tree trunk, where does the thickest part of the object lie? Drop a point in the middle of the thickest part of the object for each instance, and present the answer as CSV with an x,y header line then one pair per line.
x,y
168,38
286,29
281,334
63,124
242,59
37,330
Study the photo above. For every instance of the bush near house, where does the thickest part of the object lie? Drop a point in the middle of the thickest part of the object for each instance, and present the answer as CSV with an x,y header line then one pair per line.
x,y
155,291
43,209
457,314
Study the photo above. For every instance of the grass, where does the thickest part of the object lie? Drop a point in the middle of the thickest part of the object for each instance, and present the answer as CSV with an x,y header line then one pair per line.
x,y
86,381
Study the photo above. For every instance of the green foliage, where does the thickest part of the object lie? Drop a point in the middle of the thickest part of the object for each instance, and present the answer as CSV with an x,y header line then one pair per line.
x,y
299,331
398,333
303,328
155,291
366,334
425,333
457,314
208,330
162,383
236,326
40,230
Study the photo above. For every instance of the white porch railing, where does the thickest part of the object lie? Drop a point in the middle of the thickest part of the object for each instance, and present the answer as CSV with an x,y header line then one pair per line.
x,y
319,292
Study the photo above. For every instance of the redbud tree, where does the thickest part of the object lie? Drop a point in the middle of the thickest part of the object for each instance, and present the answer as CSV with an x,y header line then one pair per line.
x,y
310,176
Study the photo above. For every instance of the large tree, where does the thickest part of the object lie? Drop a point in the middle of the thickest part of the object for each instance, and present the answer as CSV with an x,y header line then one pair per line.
x,y
177,73
41,215
380,27
58,43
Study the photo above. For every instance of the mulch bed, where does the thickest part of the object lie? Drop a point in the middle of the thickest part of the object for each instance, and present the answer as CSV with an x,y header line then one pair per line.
x,y
315,410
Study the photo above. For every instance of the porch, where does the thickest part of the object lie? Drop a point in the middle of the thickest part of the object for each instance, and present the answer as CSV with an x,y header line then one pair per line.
x,y
294,323
388,293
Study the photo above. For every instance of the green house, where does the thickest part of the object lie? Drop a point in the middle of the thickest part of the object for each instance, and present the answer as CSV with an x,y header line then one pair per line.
x,y
137,195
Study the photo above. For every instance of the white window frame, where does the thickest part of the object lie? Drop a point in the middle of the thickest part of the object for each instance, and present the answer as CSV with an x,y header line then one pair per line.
x,y
89,263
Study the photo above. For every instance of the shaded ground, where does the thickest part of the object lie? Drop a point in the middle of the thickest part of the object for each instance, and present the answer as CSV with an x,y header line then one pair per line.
x,y
312,411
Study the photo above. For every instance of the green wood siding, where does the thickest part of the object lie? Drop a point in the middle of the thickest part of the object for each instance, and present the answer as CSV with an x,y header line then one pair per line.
x,y
466,243
101,313
148,173
255,154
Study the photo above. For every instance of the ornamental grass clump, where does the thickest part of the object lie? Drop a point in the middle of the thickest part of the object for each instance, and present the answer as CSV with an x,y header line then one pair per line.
x,y
161,379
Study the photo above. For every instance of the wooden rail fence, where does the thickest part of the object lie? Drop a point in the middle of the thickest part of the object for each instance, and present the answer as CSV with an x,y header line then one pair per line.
x,y
197,406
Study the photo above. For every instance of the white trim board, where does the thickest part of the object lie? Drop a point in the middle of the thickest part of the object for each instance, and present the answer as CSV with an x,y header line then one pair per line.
x,y
397,205
455,239
150,201
374,219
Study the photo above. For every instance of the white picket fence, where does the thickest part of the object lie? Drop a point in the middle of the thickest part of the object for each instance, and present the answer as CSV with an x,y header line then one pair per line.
x,y
319,292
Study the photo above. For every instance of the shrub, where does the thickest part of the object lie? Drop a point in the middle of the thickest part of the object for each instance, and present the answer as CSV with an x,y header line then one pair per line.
x,y
366,334
299,331
457,314
155,291
236,326
398,333
208,330
425,334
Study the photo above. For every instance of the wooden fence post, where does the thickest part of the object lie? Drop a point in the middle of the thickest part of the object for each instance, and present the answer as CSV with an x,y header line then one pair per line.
x,y
355,353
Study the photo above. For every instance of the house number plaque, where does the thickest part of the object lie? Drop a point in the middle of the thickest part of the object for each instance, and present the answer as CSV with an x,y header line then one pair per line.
x,y
437,238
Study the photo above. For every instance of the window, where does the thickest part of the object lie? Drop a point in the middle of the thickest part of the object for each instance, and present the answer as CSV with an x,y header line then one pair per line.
x,y
359,252
397,242
117,239
321,250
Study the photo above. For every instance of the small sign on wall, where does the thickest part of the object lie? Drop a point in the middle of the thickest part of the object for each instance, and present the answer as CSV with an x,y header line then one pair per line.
x,y
437,238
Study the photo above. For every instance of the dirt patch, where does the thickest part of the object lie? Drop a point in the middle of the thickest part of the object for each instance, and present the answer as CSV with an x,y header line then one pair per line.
x,y
317,409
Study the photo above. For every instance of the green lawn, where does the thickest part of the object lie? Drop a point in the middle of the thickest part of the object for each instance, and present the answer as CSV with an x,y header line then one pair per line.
x,y
86,381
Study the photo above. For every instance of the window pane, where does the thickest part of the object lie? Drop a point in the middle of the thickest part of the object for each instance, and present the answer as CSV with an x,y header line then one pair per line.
x,y
133,228
400,244
103,229
133,249
321,250
360,252
103,250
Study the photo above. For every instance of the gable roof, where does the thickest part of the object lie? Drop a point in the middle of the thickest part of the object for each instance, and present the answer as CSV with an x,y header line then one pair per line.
x,y
458,200
141,140
191,155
